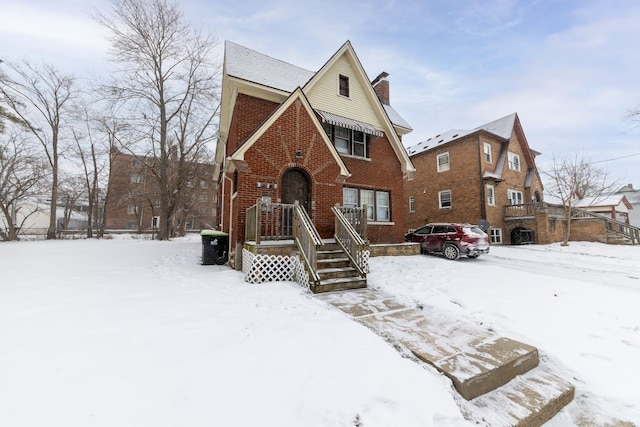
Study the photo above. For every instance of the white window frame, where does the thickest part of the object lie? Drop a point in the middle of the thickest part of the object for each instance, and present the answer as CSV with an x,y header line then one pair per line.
x,y
491,195
443,167
495,235
412,204
378,211
514,162
442,193
515,196
383,206
131,210
488,157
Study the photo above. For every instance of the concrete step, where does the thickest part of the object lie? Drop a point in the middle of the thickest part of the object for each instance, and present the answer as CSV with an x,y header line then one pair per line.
x,y
498,378
339,284
475,360
530,400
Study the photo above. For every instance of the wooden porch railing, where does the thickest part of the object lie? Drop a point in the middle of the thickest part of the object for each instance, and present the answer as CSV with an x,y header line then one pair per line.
x,y
617,228
269,221
307,240
350,240
357,217
612,226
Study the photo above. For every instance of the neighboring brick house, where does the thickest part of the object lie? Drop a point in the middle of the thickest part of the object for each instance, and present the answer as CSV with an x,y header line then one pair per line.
x,y
133,201
471,175
322,138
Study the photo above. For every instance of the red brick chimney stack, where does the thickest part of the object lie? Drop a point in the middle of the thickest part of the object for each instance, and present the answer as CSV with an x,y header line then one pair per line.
x,y
381,86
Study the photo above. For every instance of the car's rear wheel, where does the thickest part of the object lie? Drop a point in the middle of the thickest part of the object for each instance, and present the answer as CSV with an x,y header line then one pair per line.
x,y
451,252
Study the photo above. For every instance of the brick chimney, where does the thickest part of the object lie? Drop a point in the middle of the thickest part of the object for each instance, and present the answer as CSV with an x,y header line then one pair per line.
x,y
381,86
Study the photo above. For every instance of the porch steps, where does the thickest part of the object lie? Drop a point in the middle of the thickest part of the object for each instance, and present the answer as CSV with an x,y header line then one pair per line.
x,y
500,381
335,271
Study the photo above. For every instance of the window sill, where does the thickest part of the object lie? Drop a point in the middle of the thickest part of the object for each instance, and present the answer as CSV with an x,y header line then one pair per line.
x,y
381,223
351,156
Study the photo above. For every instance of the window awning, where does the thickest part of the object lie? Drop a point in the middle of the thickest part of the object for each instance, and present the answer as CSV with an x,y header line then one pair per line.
x,y
344,122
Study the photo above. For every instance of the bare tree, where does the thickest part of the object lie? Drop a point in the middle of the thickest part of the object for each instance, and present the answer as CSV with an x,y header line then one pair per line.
x,y
40,97
93,159
573,178
166,89
22,174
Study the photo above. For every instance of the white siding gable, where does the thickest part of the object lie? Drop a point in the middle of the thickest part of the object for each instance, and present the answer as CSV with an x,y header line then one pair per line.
x,y
324,94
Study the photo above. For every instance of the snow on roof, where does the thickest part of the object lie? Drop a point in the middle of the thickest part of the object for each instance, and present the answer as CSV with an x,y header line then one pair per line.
x,y
501,127
395,118
633,196
257,67
612,200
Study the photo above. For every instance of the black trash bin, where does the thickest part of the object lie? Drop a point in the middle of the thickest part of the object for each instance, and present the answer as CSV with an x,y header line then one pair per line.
x,y
215,247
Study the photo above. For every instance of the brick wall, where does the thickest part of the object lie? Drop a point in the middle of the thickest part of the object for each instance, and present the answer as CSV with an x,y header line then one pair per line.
x,y
463,179
274,153
132,204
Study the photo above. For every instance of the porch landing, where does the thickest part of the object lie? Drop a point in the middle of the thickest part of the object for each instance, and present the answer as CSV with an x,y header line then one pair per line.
x,y
286,247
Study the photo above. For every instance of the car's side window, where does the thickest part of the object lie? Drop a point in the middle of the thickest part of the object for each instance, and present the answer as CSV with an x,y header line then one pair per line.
x,y
451,230
439,229
423,230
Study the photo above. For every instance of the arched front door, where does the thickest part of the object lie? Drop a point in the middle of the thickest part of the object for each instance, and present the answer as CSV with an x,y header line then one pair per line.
x,y
296,186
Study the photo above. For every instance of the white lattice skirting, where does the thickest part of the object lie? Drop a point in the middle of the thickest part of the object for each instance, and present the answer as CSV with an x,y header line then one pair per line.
x,y
273,268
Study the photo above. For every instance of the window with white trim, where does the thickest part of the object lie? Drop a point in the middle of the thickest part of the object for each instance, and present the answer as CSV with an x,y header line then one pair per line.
x,y
515,197
444,198
348,141
491,195
131,210
496,235
412,204
443,162
514,162
378,202
487,153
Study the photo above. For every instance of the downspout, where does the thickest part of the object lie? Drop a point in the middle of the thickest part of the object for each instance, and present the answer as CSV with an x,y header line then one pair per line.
x,y
483,207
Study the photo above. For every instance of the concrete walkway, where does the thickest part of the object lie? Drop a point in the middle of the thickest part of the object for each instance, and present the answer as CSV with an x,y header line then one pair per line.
x,y
499,378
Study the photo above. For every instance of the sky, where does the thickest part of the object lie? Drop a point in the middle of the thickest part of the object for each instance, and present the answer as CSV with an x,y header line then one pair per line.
x,y
569,68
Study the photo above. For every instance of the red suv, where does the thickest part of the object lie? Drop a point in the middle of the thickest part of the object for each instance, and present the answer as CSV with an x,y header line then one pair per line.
x,y
451,240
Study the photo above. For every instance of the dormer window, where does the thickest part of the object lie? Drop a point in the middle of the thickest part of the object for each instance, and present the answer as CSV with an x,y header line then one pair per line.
x,y
344,85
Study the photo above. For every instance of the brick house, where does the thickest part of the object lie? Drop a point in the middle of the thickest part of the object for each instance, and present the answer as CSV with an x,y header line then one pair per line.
x,y
133,202
321,138
472,175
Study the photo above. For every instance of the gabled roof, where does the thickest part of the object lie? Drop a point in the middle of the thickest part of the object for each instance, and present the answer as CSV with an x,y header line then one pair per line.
x,y
612,200
297,94
256,67
275,80
502,128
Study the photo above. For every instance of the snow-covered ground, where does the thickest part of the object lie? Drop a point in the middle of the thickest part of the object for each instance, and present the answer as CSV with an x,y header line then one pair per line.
x,y
131,332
